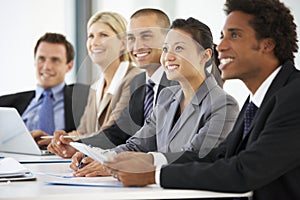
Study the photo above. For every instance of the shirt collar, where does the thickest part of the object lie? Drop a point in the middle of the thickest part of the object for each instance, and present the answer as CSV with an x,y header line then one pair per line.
x,y
156,76
56,91
259,95
116,81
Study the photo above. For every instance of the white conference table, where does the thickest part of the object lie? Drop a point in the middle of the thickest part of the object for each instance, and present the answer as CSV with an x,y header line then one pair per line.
x,y
40,190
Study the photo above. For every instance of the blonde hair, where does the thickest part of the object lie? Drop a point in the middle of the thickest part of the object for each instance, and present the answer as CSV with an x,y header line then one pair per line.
x,y
116,22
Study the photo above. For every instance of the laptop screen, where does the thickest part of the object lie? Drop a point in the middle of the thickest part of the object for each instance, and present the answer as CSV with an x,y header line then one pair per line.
x,y
14,135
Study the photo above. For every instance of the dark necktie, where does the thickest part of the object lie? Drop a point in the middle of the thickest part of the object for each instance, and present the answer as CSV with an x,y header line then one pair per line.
x,y
148,102
248,116
46,116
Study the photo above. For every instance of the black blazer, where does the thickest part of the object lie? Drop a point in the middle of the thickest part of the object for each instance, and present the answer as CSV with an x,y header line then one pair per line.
x,y
76,100
131,118
266,161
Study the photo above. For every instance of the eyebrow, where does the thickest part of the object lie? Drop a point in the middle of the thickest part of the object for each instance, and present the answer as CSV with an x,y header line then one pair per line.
x,y
231,30
181,42
55,58
234,29
147,31
141,33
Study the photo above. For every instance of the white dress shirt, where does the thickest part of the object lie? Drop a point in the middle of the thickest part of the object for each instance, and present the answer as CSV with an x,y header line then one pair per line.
x,y
116,81
156,77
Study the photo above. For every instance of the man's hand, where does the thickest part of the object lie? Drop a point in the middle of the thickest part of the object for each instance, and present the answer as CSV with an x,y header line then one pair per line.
x,y
36,134
61,146
132,168
90,167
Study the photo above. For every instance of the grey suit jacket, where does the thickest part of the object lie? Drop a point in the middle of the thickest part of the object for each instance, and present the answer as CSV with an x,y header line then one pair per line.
x,y
205,122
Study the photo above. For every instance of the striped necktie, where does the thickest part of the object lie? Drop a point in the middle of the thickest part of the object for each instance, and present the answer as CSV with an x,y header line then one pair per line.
x,y
148,102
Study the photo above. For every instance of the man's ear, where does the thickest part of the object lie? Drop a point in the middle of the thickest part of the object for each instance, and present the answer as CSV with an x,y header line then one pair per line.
x,y
70,65
268,44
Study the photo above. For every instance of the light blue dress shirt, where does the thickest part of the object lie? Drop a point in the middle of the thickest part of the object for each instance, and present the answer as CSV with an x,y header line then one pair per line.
x,y
31,116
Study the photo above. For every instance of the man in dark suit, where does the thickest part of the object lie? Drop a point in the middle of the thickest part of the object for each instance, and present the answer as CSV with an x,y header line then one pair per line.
x,y
262,153
53,56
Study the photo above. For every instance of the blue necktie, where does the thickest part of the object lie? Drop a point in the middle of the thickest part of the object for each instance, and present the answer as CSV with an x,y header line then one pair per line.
x,y
46,116
148,102
248,116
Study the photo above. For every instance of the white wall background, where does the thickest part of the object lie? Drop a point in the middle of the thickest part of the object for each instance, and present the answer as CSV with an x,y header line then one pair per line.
x,y
23,22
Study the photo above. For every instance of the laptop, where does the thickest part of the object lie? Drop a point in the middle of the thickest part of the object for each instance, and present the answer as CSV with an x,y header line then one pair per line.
x,y
14,135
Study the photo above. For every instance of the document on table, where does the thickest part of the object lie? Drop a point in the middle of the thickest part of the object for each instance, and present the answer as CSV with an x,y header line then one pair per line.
x,y
12,170
57,174
23,158
87,181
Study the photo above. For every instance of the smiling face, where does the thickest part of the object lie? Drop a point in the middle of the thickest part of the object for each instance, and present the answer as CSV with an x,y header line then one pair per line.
x,y
103,45
240,53
183,58
51,64
144,41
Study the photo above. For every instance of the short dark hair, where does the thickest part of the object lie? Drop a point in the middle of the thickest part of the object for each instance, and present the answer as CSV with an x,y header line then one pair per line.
x,y
163,19
56,38
272,19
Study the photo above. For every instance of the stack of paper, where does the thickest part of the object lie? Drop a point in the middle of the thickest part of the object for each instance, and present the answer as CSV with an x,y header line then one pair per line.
x,y
12,170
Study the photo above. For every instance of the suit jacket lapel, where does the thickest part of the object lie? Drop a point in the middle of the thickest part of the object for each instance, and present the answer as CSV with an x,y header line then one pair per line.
x,y
138,105
278,82
170,119
194,105
26,99
138,95
164,82
104,103
237,142
69,122
183,121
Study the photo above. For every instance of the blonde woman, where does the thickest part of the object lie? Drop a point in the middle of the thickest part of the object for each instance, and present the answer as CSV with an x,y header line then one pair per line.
x,y
108,96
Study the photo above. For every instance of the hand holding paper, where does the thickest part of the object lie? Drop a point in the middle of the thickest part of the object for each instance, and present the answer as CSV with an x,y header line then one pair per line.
x,y
95,153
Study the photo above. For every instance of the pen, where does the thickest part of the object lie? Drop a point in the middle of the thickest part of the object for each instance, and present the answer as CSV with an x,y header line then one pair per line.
x,y
81,163
51,136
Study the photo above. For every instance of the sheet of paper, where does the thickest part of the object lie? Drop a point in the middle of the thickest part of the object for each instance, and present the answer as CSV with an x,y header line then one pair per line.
x,y
23,158
59,175
86,181
26,177
10,167
95,153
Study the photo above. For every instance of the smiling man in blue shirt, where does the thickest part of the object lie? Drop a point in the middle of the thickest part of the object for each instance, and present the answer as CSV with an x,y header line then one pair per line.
x,y
53,58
